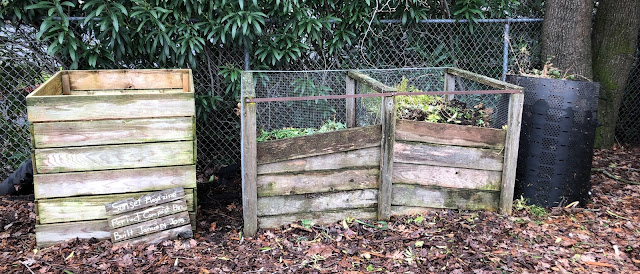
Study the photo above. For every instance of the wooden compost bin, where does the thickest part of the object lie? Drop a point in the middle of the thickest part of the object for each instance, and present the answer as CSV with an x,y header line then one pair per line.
x,y
103,136
398,167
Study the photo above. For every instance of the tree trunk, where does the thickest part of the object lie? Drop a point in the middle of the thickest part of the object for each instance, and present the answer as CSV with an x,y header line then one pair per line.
x,y
566,35
615,34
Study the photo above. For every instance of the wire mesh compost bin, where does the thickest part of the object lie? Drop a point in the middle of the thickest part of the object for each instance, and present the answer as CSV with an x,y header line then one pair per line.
x,y
368,144
108,135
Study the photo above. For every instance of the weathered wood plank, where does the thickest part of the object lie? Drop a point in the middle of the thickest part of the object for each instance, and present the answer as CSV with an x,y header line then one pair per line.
x,y
50,234
318,144
126,79
146,200
53,160
409,210
113,181
449,156
435,197
511,152
53,86
123,91
315,182
249,164
388,109
147,214
291,204
350,104
65,83
149,227
482,79
447,134
84,208
320,218
370,82
156,238
367,157
452,177
95,107
449,85
107,132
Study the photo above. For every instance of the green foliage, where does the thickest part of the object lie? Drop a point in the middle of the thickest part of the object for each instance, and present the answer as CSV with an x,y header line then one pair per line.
x,y
172,33
276,134
522,204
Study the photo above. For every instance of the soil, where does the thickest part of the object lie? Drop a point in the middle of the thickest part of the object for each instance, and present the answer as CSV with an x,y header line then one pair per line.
x,y
604,236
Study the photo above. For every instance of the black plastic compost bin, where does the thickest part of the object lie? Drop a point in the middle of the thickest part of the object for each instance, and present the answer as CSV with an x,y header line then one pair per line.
x,y
556,140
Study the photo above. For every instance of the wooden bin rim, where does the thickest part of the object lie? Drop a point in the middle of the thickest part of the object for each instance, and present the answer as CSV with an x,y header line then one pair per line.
x,y
186,85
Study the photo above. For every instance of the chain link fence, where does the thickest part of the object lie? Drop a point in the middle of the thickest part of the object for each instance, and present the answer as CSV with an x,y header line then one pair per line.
x,y
430,43
628,126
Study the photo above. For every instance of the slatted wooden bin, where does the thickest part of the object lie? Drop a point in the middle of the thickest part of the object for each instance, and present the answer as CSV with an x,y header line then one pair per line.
x,y
373,172
107,135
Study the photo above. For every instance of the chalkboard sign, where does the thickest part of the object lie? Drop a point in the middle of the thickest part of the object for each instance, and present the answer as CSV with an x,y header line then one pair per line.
x,y
150,219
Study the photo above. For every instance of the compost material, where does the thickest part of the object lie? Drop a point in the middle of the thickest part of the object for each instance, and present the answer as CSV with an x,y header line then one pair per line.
x,y
602,237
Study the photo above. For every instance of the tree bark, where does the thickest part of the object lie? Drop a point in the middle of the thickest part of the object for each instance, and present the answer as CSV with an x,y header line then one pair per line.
x,y
615,35
566,36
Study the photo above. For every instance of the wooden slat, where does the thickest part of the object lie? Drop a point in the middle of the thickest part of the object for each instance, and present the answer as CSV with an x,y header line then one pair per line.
x,y
123,91
511,152
350,103
147,214
388,109
367,157
452,177
50,234
249,164
280,205
409,210
318,144
482,79
435,197
447,134
144,201
156,238
53,160
113,181
87,207
315,182
150,227
449,156
327,217
449,85
125,79
119,106
107,132
53,86
370,82
65,84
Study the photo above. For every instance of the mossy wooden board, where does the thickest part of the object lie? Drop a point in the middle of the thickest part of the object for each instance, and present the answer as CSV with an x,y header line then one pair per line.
x,y
113,181
109,132
447,134
366,157
317,182
84,208
452,177
448,156
71,159
50,234
442,197
320,217
279,205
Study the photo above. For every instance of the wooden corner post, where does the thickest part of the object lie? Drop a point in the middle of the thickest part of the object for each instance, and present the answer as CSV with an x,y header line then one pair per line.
x,y
511,151
351,87
386,157
449,84
248,158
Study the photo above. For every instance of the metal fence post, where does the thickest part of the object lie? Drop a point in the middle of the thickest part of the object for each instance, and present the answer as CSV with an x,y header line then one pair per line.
x,y
505,51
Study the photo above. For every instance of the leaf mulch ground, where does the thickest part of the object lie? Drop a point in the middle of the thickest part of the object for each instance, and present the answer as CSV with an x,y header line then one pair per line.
x,y
603,237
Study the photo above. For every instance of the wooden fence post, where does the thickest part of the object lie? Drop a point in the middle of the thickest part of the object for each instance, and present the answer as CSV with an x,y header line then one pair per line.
x,y
449,84
351,86
248,157
386,157
511,152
